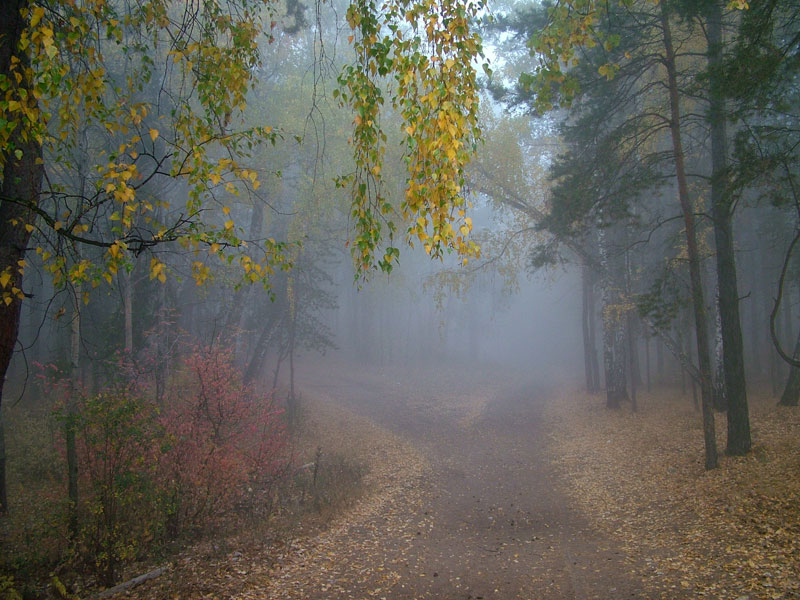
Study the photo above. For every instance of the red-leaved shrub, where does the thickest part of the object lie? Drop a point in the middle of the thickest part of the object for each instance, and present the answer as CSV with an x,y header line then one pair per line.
x,y
223,439
149,472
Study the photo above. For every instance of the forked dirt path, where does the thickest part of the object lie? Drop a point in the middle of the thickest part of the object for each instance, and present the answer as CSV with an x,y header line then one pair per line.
x,y
484,518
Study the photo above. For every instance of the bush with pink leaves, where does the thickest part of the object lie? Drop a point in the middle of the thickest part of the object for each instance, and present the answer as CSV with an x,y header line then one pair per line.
x,y
224,440
150,472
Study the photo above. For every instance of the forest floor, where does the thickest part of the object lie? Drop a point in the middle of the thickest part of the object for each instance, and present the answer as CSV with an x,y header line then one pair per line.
x,y
733,532
485,485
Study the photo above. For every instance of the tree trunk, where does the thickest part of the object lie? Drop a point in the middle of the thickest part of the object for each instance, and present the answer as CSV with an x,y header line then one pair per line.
x,y
634,372
757,267
257,357
292,298
72,410
701,328
276,314
20,185
162,347
632,366
593,343
720,395
688,351
3,490
613,332
234,321
126,279
589,349
791,393
276,373
739,441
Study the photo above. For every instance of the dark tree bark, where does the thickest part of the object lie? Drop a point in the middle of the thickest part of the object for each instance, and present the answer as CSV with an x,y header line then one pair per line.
x,y
234,319
613,329
276,314
589,342
701,327
739,441
126,283
20,185
72,412
256,361
791,393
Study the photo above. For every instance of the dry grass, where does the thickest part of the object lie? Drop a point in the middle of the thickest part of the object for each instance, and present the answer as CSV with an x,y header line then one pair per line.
x,y
729,533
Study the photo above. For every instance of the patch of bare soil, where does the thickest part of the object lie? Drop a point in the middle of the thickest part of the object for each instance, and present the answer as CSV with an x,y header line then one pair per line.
x,y
733,532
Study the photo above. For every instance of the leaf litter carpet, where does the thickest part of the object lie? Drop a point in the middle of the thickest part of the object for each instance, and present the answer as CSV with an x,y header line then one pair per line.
x,y
485,485
464,505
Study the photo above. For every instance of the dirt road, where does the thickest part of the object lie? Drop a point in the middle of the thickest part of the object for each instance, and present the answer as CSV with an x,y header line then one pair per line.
x,y
484,520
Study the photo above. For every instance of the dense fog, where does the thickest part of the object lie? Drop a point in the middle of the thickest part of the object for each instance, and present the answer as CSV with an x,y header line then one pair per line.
x,y
265,261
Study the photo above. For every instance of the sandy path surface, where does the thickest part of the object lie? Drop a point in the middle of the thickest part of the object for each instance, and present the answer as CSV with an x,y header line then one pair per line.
x,y
478,514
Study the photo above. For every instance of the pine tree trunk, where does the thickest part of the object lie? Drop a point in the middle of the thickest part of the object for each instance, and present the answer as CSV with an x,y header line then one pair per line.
x,y
739,441
720,395
613,331
687,209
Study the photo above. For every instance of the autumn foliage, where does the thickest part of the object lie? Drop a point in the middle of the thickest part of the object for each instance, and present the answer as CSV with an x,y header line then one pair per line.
x,y
149,473
222,441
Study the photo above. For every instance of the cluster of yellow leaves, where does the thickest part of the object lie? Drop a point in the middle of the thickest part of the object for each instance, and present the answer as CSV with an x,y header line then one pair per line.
x,y
9,290
65,85
428,47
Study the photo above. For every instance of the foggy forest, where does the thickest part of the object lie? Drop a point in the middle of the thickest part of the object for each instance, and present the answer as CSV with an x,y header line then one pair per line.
x,y
400,299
